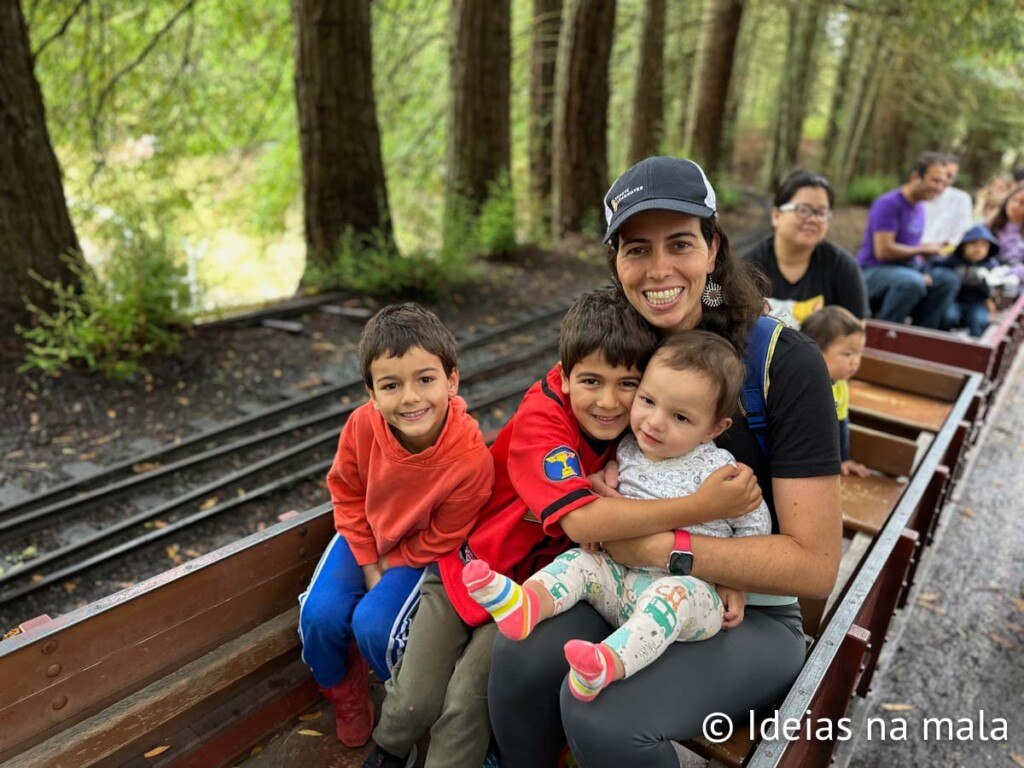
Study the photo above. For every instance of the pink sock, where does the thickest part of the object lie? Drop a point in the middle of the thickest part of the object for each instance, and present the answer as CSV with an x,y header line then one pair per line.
x,y
515,609
591,668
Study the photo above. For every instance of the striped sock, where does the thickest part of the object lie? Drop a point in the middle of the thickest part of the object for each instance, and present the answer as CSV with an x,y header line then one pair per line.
x,y
514,608
591,668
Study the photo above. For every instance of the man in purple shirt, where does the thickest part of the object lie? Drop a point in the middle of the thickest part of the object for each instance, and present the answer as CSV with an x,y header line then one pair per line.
x,y
892,255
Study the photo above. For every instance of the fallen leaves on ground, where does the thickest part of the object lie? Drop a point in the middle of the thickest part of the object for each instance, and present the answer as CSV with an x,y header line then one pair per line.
x,y
928,597
308,732
1018,759
969,513
182,401
1018,603
311,716
156,751
145,466
1000,640
210,503
112,414
897,707
174,554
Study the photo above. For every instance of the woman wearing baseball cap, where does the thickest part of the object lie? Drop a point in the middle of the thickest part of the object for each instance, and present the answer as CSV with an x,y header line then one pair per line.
x,y
671,259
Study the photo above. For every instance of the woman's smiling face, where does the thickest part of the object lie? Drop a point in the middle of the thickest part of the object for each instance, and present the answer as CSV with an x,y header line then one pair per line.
x,y
663,263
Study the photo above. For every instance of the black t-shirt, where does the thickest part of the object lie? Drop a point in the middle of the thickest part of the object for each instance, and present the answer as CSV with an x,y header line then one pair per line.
x,y
803,432
832,277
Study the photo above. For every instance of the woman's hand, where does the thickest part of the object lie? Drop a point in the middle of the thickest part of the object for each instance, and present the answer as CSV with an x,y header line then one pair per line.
x,y
733,600
851,467
729,492
605,482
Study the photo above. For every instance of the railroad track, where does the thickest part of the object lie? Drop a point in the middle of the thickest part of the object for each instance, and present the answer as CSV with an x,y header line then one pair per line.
x,y
210,477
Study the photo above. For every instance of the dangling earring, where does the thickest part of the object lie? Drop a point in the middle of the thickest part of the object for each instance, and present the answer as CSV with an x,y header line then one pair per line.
x,y
712,295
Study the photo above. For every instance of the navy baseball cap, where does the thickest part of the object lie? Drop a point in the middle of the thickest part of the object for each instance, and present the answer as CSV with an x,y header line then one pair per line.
x,y
658,184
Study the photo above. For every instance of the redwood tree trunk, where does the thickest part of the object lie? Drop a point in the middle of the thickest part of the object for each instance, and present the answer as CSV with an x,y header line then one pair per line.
x,y
715,73
343,186
647,117
35,227
478,124
839,94
804,22
581,116
547,22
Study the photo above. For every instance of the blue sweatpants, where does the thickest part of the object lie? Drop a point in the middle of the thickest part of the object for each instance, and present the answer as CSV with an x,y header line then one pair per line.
x,y
336,607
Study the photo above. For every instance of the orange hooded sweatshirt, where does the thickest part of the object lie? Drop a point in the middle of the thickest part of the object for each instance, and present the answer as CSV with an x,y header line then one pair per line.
x,y
412,507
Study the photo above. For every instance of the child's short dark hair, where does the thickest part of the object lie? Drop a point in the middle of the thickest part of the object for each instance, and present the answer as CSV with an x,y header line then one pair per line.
x,y
831,323
604,321
397,328
710,354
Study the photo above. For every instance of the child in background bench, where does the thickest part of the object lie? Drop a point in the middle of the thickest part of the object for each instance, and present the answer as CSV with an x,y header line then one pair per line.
x,y
975,263
841,338
686,398
408,482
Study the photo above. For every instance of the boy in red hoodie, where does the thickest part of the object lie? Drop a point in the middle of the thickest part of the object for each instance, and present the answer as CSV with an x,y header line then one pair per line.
x,y
408,482
566,428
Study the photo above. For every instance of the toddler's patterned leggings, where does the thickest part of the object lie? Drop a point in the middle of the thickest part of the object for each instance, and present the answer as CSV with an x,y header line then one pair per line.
x,y
650,608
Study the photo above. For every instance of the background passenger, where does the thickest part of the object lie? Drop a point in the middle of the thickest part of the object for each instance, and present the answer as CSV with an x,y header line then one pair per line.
x,y
806,270
892,254
948,216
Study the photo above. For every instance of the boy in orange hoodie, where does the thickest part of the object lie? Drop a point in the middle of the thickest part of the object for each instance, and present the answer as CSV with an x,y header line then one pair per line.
x,y
408,482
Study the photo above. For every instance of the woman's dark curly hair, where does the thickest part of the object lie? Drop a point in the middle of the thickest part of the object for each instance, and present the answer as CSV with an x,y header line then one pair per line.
x,y
744,288
1000,219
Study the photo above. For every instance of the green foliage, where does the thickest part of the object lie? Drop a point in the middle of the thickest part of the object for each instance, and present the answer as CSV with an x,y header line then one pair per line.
x,y
371,265
727,194
496,224
129,307
864,189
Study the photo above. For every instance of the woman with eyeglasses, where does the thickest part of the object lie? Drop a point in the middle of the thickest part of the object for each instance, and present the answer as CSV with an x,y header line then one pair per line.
x,y
806,270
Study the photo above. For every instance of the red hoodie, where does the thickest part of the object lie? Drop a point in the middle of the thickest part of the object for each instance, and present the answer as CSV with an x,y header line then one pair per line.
x,y
412,507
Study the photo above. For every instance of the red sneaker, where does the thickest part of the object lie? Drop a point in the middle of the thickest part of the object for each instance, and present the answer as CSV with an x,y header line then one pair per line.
x,y
353,708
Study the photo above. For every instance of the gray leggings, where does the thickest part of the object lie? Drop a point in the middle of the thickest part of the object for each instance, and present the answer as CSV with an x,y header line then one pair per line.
x,y
633,722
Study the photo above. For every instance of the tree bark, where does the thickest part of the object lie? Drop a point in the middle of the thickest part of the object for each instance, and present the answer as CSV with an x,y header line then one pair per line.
x,y
35,226
647,116
681,56
478,124
804,23
862,111
840,94
712,92
343,185
547,22
581,116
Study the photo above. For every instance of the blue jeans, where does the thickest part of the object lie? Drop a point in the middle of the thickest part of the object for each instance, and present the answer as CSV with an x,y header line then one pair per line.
x,y
901,291
336,607
970,314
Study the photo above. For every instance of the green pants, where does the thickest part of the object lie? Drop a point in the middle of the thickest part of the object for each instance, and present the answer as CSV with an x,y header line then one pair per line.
x,y
440,685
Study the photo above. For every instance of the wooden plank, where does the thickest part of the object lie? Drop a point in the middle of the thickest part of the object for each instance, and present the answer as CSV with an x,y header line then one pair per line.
x,y
827,705
867,502
90,658
907,374
877,610
889,454
900,407
132,719
925,344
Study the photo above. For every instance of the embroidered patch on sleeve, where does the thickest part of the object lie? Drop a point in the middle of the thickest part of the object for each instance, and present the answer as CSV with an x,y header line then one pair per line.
x,y
561,464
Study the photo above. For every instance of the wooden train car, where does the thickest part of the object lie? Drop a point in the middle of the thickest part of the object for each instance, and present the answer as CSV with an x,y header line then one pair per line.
x,y
201,664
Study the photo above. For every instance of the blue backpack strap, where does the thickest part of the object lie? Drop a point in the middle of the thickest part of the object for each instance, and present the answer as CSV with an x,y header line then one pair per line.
x,y
754,399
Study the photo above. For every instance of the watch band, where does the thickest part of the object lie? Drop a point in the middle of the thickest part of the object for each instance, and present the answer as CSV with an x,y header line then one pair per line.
x,y
682,542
